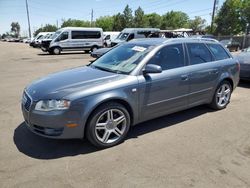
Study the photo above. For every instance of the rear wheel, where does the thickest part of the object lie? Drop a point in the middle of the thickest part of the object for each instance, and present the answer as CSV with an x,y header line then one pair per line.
x,y
56,50
108,125
222,96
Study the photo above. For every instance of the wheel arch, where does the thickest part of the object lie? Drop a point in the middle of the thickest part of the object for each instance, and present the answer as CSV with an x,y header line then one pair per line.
x,y
121,101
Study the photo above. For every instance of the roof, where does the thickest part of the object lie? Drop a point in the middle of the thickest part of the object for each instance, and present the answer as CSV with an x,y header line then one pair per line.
x,y
82,28
159,41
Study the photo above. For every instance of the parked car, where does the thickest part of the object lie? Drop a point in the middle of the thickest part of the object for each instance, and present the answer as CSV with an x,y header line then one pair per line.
x,y
231,44
34,42
128,34
74,39
244,59
99,52
108,37
44,37
134,82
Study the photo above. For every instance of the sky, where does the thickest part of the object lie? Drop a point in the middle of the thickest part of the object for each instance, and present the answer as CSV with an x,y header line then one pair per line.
x,y
53,11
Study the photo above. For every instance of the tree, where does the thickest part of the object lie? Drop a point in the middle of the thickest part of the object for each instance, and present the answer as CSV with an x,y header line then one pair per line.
x,y
46,28
118,22
246,13
174,20
153,20
139,19
15,28
105,22
127,20
75,23
229,20
197,24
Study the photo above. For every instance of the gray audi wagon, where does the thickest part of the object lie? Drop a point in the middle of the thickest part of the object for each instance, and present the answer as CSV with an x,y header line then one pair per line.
x,y
134,82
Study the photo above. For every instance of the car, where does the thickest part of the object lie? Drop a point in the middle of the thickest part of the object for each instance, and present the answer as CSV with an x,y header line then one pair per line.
x,y
74,39
99,52
244,59
108,37
137,81
231,44
34,43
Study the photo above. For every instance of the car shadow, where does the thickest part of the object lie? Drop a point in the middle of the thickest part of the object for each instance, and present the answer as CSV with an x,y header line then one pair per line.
x,y
39,147
244,84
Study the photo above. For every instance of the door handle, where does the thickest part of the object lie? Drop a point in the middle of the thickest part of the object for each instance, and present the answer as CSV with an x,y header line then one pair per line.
x,y
214,72
184,77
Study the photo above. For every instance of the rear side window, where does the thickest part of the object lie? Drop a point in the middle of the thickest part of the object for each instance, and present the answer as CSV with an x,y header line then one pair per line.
x,y
86,34
198,53
218,51
169,57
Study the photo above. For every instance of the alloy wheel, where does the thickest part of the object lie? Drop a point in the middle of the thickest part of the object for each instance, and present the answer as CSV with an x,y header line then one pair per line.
x,y
223,95
110,126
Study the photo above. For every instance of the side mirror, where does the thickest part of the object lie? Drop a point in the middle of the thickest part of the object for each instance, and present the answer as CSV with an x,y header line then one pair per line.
x,y
151,68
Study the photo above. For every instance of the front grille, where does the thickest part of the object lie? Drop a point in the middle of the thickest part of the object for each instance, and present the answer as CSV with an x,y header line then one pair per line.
x,y
26,101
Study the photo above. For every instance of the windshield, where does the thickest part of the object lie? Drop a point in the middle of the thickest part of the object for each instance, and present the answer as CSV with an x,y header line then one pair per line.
x,y
55,34
122,59
123,36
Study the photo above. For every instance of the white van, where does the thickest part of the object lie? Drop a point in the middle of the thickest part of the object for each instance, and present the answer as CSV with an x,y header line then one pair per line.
x,y
76,39
128,34
109,36
39,36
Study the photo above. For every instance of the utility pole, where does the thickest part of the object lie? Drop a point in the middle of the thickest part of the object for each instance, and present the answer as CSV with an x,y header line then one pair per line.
x,y
92,16
57,24
212,22
28,16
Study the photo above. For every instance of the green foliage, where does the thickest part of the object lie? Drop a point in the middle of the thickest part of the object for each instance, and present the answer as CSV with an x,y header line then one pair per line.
x,y
127,17
197,24
174,20
229,19
46,28
75,23
105,22
153,20
118,24
246,12
139,19
15,28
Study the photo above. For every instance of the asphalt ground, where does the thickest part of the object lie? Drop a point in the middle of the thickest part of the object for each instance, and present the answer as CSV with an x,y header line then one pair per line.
x,y
198,147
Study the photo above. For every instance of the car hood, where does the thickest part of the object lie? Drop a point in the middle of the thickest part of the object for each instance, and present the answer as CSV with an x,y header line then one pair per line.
x,y
60,85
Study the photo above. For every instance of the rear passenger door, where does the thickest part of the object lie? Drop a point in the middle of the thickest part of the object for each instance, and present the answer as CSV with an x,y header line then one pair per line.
x,y
204,73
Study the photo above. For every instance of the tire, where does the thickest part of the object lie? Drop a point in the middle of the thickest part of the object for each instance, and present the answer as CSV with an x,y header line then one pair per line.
x,y
111,130
57,51
222,96
94,48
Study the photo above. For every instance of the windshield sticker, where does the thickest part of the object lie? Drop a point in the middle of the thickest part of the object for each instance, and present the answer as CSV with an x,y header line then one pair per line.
x,y
139,48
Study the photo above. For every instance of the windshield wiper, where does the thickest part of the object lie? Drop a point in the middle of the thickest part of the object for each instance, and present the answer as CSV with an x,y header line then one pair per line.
x,y
104,69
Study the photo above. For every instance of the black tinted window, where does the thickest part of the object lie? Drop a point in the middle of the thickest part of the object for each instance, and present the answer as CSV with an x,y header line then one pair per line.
x,y
218,51
169,57
198,53
63,36
86,34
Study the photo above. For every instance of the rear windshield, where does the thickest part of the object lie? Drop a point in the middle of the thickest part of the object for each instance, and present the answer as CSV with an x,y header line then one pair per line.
x,y
218,51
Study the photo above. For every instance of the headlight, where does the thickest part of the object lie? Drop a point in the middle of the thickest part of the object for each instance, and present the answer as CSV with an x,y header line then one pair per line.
x,y
49,105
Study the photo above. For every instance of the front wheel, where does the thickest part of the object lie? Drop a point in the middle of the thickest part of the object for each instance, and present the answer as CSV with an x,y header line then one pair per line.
x,y
94,48
56,50
222,96
108,125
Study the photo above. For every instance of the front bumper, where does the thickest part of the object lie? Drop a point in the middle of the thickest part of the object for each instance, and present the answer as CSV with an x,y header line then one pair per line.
x,y
53,124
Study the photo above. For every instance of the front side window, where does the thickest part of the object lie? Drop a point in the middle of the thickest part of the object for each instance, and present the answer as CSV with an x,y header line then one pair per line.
x,y
169,57
218,51
123,36
107,37
122,59
63,36
198,53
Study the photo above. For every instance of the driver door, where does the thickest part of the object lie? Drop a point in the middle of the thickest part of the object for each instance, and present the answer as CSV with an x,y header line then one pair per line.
x,y
165,92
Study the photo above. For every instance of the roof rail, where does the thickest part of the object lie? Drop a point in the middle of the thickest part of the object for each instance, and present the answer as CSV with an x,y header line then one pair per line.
x,y
204,39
